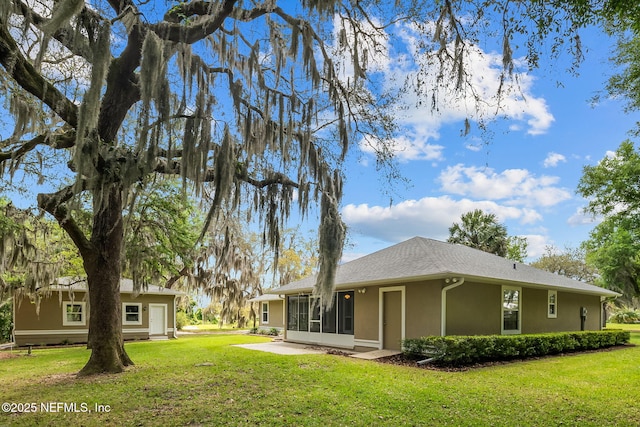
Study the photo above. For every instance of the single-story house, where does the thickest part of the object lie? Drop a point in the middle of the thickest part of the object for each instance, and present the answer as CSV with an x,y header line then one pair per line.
x,y
424,287
64,311
270,311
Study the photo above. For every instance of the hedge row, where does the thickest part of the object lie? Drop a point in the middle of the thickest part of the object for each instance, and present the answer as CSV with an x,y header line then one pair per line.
x,y
466,350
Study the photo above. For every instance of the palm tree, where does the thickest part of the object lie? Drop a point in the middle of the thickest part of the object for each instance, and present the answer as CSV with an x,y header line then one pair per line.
x,y
480,230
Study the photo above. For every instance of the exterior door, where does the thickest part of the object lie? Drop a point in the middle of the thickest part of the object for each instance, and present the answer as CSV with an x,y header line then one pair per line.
x,y
392,320
157,319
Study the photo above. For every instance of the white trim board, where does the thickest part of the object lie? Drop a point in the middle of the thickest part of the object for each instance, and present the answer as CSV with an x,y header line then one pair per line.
x,y
403,311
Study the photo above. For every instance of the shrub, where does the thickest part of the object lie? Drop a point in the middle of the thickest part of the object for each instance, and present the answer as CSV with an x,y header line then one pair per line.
x,y
273,331
466,350
181,320
625,315
6,321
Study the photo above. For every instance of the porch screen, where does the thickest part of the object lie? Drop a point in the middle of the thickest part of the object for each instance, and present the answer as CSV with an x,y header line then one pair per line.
x,y
304,314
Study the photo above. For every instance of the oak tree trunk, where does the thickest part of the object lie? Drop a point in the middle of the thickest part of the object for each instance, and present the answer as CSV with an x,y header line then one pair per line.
x,y
103,278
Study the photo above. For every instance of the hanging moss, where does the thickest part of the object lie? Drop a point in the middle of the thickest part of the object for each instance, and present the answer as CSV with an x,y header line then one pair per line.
x,y
90,108
63,13
151,67
332,233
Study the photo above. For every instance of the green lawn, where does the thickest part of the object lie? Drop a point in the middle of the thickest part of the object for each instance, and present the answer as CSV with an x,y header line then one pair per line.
x,y
209,327
202,380
626,327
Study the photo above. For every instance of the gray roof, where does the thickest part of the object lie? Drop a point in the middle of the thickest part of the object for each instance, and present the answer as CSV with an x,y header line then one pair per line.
x,y
79,284
420,258
266,297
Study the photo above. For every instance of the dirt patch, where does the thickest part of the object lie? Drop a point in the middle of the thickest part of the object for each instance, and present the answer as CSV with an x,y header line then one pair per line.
x,y
8,355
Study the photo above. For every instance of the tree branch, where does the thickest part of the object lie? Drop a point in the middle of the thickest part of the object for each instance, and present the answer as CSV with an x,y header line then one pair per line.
x,y
70,39
169,167
191,34
21,70
53,203
59,141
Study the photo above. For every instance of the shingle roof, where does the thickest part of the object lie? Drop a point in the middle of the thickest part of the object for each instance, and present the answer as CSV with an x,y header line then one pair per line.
x,y
420,258
79,284
265,297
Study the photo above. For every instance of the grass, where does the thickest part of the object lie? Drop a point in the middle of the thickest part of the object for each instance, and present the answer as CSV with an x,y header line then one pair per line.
x,y
209,327
624,326
203,380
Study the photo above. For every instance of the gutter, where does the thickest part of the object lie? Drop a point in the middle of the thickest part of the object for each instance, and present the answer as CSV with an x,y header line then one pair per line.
x,y
455,282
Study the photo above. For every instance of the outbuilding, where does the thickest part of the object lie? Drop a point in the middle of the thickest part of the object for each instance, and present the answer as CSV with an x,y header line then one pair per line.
x,y
61,316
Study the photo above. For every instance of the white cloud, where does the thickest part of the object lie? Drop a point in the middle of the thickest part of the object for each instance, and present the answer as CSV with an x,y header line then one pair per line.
x,y
425,104
553,159
428,217
406,149
514,186
479,101
580,217
536,244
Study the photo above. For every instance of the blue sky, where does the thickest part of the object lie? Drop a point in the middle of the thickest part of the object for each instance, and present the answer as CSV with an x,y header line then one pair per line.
x,y
525,170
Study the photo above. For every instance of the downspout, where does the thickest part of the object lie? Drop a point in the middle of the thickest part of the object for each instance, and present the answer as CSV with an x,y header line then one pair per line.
x,y
443,299
175,329
13,319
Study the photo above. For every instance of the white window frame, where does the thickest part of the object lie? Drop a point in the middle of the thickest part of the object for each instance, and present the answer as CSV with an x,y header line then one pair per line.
x,y
553,315
124,313
502,310
83,313
263,312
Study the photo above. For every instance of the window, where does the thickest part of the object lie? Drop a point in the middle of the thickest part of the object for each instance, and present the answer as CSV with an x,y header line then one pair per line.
x,y
304,313
552,304
265,313
298,313
511,300
345,313
314,325
329,317
74,313
131,313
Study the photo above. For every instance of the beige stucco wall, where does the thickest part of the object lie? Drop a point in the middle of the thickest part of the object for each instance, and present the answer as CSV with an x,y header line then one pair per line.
x,y
276,314
423,308
534,312
366,307
50,319
474,309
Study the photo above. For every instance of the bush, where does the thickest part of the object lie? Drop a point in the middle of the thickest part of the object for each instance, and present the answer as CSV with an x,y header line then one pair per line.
x,y
625,315
466,350
6,321
181,320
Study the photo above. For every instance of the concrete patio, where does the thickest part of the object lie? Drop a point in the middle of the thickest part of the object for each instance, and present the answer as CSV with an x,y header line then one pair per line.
x,y
289,348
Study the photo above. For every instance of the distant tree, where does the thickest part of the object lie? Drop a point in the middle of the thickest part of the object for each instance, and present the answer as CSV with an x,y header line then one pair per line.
x,y
612,190
299,259
162,226
613,248
517,248
571,262
611,187
480,230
